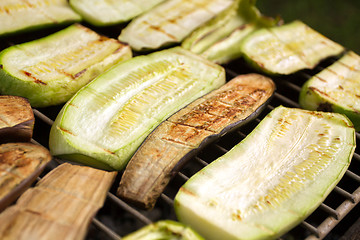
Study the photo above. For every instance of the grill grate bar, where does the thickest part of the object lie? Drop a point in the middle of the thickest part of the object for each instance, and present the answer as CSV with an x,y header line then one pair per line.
x,y
329,223
353,175
286,100
332,212
129,209
344,193
167,199
109,233
43,117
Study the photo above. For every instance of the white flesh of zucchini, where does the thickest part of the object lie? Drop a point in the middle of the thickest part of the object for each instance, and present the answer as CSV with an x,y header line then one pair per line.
x,y
103,13
170,22
17,15
107,120
336,88
288,48
48,71
271,180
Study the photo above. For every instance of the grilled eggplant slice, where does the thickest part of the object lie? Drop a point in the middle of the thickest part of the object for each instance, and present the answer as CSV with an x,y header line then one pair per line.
x,y
270,181
165,229
60,206
106,13
20,165
170,22
107,120
335,89
219,39
288,48
178,138
21,15
16,119
50,70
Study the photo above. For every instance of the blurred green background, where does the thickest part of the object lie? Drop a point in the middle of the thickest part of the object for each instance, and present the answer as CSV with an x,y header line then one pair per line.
x,y
338,20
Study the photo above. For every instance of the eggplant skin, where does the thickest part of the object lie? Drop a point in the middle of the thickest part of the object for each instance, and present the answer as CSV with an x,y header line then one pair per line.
x,y
335,89
16,119
272,180
20,165
186,132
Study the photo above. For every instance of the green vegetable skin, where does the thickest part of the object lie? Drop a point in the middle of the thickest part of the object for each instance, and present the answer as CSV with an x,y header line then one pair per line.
x,y
219,39
20,15
107,120
50,70
336,88
106,13
165,229
288,48
170,22
270,181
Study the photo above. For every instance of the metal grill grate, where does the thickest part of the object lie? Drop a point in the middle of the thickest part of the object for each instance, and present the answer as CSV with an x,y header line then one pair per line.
x,y
117,218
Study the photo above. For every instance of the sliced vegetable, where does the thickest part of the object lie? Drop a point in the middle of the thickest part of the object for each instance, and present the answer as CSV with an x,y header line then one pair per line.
x,y
165,229
20,15
50,70
20,165
61,205
288,48
170,22
335,89
16,119
110,12
272,180
107,120
178,138
219,39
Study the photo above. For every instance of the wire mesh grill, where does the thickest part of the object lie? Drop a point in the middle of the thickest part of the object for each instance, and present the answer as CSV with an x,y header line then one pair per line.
x,y
117,218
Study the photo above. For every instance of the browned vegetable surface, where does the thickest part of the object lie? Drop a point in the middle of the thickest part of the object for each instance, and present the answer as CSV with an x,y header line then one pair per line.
x,y
60,206
20,165
175,141
16,119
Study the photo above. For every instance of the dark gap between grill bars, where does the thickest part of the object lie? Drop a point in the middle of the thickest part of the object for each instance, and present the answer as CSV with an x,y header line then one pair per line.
x,y
117,218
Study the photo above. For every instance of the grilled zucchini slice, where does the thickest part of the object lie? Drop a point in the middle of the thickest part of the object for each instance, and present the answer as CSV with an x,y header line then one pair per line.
x,y
50,70
272,180
180,137
288,48
164,229
170,22
110,12
21,15
335,89
219,39
106,121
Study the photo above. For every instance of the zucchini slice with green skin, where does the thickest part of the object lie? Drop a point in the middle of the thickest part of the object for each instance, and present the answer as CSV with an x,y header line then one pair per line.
x,y
48,71
335,89
272,180
106,13
170,22
176,140
219,39
288,48
21,15
106,121
164,229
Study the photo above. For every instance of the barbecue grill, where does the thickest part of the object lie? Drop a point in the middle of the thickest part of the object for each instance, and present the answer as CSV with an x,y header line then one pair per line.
x,y
331,220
